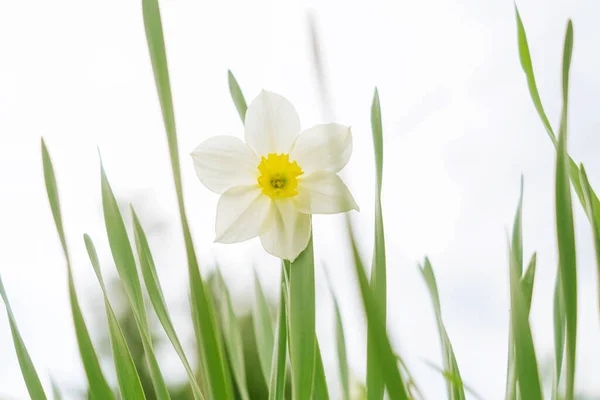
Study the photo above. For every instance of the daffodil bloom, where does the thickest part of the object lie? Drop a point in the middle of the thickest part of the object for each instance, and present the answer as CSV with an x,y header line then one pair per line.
x,y
271,184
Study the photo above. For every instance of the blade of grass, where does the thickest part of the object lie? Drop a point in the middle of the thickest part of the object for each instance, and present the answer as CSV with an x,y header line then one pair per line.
x,y
455,386
32,380
237,96
263,329
302,323
375,385
565,228
56,395
376,324
593,211
205,325
98,386
279,360
128,378
559,335
158,301
232,337
454,380
321,391
341,350
125,262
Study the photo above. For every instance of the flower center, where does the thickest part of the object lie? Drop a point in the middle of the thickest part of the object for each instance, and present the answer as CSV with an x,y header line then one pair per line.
x,y
278,175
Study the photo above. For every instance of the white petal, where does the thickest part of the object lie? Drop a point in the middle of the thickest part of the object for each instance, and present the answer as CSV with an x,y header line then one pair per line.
x,y
223,162
242,213
323,193
323,148
272,124
289,232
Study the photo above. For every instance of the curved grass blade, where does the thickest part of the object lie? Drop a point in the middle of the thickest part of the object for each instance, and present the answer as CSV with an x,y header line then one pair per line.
x,y
98,386
278,364
302,323
130,385
455,387
454,380
341,350
559,335
376,324
237,96
565,227
158,301
375,385
321,391
32,380
593,211
127,269
233,337
263,329
205,325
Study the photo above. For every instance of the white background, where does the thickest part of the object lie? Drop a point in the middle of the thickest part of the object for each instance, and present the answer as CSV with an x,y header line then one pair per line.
x,y
459,131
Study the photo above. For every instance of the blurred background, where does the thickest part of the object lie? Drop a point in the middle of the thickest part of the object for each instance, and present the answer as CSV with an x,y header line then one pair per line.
x,y
459,130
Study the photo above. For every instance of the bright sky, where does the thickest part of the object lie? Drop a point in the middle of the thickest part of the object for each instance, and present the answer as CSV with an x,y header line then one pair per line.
x,y
459,131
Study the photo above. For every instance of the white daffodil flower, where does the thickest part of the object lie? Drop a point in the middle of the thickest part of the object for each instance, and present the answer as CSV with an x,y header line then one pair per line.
x,y
271,184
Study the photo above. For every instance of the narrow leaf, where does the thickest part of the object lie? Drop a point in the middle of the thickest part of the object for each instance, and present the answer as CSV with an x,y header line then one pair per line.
x,y
237,96
278,364
559,335
593,211
341,351
321,391
263,329
56,395
32,380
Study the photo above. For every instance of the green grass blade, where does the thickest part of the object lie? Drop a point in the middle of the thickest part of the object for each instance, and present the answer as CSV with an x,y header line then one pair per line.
x,y
593,211
56,395
158,301
32,380
559,335
128,378
205,325
237,96
341,351
565,228
527,281
321,391
455,387
263,329
375,385
302,323
376,324
98,386
233,337
125,262
454,380
278,364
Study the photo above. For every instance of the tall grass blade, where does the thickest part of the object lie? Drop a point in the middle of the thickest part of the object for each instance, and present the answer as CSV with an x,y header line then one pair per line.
x,y
32,380
205,325
302,323
565,228
125,262
263,329
376,325
560,322
593,211
237,96
232,337
375,385
130,385
321,391
158,301
454,380
56,395
98,386
279,361
341,351
455,386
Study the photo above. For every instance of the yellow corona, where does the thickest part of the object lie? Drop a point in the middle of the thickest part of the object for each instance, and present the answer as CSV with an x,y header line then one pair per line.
x,y
278,175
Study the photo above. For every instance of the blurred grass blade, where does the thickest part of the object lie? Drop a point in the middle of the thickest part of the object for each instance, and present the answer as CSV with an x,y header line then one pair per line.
x,y
527,281
302,323
158,301
98,385
205,325
321,391
341,351
375,385
454,380
237,96
565,228
130,385
455,386
126,266
526,362
559,320
376,325
56,395
593,211
263,329
233,337
279,361
32,380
